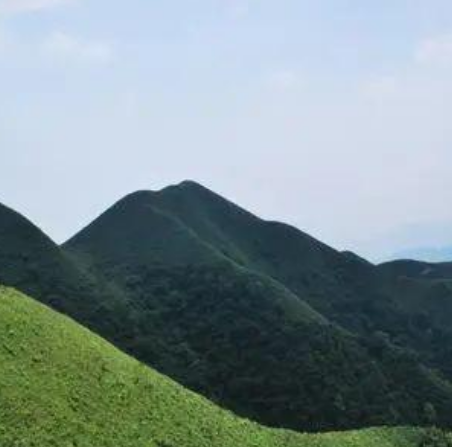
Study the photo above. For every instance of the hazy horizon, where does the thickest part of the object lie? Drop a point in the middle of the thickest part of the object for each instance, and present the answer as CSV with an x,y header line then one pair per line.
x,y
331,116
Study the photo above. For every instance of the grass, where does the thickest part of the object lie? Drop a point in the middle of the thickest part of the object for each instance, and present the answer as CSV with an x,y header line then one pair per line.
x,y
62,386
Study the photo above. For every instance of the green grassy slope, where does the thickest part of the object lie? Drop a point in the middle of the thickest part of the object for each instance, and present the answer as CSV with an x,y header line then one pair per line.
x,y
219,305
61,385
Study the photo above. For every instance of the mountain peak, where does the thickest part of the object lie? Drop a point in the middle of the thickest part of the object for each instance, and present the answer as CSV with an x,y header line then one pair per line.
x,y
144,195
187,186
190,184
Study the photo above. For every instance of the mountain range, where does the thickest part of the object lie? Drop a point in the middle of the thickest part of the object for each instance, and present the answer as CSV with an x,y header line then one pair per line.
x,y
257,316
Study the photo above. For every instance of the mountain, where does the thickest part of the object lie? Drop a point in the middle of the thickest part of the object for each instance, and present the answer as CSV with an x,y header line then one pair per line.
x,y
261,317
418,269
62,385
342,287
426,254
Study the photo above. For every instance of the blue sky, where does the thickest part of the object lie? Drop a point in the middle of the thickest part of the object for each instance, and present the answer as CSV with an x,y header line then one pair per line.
x,y
332,115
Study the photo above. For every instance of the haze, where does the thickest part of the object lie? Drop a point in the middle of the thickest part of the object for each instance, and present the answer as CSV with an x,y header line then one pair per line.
x,y
331,115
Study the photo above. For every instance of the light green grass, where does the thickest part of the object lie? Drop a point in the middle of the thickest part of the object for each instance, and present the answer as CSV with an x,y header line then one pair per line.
x,y
62,386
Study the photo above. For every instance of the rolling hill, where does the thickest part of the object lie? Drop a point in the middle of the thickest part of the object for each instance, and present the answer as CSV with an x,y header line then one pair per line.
x,y
61,385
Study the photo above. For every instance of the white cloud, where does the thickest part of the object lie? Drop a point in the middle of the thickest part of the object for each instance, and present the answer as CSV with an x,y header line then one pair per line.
x,y
65,46
22,6
435,50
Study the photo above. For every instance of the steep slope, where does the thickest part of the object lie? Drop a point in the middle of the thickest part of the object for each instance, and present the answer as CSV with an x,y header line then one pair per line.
x,y
62,385
219,302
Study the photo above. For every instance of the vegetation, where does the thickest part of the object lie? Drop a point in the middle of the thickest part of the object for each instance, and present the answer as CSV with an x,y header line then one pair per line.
x,y
413,310
435,438
256,348
187,256
61,385
255,315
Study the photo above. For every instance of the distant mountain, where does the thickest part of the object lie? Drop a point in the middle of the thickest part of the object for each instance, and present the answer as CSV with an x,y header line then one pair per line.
x,y
426,254
60,385
418,269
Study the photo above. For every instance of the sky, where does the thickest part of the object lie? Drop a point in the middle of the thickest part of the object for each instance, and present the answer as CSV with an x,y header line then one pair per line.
x,y
331,115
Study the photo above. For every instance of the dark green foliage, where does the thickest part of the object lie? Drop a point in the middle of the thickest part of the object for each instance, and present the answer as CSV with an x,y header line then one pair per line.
x,y
409,301
436,438
414,309
234,337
